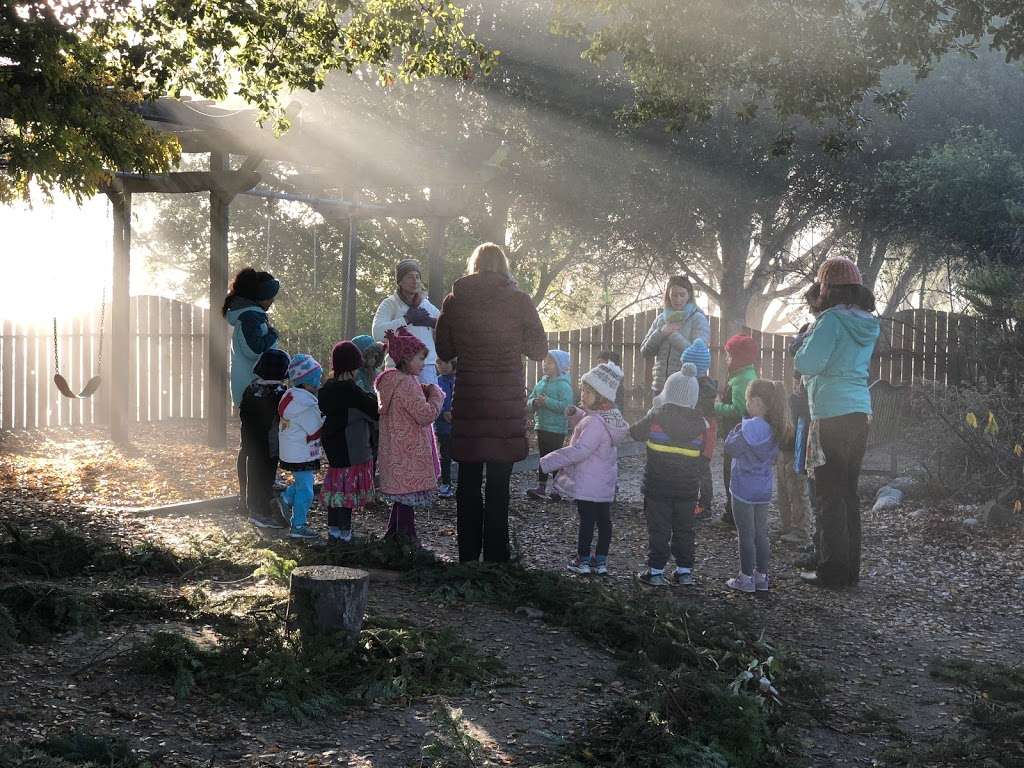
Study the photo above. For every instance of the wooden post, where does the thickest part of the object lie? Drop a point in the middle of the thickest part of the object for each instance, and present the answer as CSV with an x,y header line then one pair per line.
x,y
328,600
351,276
217,337
435,268
116,387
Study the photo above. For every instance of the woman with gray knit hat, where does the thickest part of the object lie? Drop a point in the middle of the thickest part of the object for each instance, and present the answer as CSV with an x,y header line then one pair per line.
x,y
408,307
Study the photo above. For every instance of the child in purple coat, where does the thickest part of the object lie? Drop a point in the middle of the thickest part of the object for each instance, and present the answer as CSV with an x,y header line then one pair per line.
x,y
588,468
753,446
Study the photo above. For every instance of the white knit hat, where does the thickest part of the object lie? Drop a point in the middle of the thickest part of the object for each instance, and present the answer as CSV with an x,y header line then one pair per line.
x,y
681,388
605,380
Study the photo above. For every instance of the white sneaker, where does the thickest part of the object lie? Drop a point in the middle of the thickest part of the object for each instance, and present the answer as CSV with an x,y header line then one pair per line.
x,y
741,583
582,567
762,582
336,534
601,569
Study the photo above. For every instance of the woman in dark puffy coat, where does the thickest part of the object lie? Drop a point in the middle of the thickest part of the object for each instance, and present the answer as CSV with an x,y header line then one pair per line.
x,y
489,325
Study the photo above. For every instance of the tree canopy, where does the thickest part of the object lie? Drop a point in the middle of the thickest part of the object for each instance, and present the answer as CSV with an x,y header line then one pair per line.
x,y
71,73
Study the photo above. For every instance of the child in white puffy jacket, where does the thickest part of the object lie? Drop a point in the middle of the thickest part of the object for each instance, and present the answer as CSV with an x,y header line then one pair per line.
x,y
301,423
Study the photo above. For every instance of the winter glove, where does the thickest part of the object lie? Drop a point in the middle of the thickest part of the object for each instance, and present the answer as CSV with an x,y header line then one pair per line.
x,y
419,316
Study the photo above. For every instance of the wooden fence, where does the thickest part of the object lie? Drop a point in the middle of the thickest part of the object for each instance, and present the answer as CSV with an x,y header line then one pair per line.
x,y
915,345
168,359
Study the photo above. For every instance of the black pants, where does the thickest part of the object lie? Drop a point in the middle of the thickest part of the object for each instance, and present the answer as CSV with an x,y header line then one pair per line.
x,y
726,477
339,517
669,530
594,513
843,440
482,513
257,470
706,495
444,448
546,443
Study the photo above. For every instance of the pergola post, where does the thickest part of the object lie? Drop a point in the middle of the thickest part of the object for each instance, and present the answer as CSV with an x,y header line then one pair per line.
x,y
351,272
435,267
117,382
217,337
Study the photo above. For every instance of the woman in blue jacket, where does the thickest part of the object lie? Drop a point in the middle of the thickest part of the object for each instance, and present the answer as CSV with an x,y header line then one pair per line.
x,y
836,358
245,308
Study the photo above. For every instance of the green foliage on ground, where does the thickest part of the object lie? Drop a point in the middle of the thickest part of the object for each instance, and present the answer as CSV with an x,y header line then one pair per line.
x,y
991,695
73,749
701,703
265,668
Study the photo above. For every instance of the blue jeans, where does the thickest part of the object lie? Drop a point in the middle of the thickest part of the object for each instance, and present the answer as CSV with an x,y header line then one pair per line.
x,y
299,496
752,527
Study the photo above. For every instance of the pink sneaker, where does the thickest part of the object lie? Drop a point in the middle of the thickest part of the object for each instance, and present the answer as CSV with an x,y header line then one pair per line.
x,y
741,583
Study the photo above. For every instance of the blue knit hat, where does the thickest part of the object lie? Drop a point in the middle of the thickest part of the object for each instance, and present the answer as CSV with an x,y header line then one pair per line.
x,y
698,354
272,365
364,342
303,369
562,360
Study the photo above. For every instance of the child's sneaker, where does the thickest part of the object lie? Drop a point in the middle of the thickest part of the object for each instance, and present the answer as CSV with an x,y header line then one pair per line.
x,y
267,521
741,583
682,578
554,496
303,532
761,581
601,569
537,494
580,566
337,534
652,579
445,492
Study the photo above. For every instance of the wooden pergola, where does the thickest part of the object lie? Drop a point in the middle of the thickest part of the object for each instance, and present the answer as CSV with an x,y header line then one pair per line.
x,y
330,185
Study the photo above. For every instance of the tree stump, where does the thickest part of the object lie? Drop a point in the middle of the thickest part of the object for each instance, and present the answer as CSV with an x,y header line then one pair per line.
x,y
328,600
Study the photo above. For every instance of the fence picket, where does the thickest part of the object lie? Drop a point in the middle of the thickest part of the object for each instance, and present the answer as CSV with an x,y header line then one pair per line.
x,y
7,377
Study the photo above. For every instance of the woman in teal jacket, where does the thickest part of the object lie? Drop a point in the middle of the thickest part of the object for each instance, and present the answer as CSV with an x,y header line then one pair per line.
x,y
836,358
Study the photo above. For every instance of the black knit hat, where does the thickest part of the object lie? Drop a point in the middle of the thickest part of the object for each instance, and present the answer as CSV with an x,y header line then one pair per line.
x,y
346,357
272,365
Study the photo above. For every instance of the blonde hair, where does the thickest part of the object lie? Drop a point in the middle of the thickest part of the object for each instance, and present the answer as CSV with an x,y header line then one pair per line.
x,y
488,257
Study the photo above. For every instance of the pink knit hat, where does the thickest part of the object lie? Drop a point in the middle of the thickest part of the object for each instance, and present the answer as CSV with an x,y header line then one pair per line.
x,y
838,271
402,345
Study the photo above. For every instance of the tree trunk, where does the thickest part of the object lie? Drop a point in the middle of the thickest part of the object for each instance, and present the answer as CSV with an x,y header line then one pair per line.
x,y
328,600
734,234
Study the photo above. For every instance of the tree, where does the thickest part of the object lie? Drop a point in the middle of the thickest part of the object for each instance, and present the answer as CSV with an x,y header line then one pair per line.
x,y
72,73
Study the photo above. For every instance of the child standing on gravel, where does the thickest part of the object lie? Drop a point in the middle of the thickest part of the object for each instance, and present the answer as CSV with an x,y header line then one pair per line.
x,y
588,468
549,401
791,495
409,462
673,431
258,413
300,429
350,416
699,354
752,447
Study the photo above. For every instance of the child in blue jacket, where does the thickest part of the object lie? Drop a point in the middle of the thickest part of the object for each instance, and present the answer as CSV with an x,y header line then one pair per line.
x,y
548,401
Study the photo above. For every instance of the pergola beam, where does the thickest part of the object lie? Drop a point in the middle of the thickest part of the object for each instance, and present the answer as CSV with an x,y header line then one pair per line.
x,y
120,325
216,334
223,181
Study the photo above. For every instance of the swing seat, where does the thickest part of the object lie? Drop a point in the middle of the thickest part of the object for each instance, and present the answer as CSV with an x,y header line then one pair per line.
x,y
65,389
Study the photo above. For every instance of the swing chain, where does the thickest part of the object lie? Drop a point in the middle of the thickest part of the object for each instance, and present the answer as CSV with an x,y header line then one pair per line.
x,y
103,312
56,359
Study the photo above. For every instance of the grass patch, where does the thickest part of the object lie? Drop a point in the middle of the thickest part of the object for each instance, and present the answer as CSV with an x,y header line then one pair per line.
x,y
993,733
74,749
276,672
717,694
65,554
33,612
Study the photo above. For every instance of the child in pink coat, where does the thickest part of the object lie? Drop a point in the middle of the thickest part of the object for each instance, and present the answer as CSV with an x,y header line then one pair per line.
x,y
588,468
408,457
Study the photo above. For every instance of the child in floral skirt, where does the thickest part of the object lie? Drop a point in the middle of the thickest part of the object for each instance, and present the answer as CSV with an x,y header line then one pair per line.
x,y
350,416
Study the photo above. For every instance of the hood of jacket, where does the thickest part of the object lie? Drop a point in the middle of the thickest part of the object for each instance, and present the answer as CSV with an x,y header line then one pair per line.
x,y
478,286
295,401
680,423
386,384
618,427
238,305
861,326
758,435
